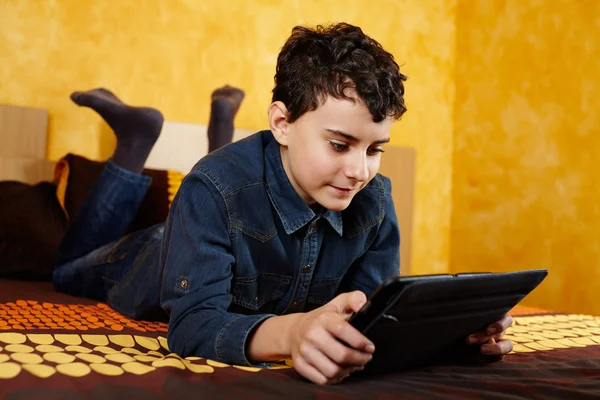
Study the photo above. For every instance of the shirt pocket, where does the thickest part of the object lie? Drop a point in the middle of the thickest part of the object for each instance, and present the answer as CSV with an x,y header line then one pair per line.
x,y
254,292
322,291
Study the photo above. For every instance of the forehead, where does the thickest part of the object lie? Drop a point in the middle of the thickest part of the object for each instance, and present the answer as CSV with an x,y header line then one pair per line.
x,y
349,116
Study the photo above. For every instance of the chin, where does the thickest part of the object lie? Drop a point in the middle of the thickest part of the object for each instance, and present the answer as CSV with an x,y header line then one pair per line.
x,y
335,204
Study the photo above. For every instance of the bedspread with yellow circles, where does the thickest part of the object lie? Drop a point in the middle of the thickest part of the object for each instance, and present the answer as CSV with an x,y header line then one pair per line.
x,y
78,354
53,343
83,349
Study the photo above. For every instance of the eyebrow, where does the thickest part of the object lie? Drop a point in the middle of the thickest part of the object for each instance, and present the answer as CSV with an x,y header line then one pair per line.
x,y
352,138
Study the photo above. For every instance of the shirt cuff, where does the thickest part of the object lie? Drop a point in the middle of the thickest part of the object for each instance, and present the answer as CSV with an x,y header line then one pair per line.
x,y
233,339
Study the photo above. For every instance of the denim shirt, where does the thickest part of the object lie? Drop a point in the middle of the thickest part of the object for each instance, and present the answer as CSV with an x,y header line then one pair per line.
x,y
240,246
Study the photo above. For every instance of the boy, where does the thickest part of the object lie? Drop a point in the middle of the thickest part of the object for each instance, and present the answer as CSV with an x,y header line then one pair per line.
x,y
271,242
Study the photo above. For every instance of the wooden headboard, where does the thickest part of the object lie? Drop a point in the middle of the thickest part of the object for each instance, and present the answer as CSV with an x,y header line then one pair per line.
x,y
398,164
23,137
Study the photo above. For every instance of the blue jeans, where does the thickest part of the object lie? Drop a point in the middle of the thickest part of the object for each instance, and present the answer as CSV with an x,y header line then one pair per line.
x,y
97,261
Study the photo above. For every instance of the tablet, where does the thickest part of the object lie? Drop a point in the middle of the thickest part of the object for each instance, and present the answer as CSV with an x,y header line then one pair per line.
x,y
413,319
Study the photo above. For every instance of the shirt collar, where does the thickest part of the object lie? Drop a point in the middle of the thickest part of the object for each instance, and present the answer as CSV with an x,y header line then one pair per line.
x,y
292,210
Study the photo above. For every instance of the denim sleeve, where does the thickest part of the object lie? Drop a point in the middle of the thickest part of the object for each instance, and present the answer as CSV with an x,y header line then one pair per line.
x,y
197,261
382,259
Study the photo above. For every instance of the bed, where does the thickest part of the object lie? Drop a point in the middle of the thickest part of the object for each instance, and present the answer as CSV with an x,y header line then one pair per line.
x,y
56,346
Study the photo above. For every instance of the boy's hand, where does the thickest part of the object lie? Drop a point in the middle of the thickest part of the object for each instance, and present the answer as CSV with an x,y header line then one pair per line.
x,y
492,338
317,350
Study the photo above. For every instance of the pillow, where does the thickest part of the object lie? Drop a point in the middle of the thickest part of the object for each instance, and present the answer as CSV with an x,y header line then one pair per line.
x,y
34,218
32,223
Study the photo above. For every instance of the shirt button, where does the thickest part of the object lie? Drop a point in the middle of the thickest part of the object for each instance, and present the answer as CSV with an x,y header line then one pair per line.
x,y
295,304
306,268
184,283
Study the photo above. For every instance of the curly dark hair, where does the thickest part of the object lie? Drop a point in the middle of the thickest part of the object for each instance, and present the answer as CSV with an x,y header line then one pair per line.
x,y
327,60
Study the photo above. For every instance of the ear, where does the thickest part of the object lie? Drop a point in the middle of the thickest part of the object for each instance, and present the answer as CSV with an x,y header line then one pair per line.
x,y
278,122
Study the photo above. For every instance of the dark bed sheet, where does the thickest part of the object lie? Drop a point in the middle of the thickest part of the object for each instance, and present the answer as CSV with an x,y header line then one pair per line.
x,y
54,346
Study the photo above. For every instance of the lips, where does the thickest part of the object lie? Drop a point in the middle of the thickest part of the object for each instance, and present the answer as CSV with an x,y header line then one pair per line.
x,y
343,191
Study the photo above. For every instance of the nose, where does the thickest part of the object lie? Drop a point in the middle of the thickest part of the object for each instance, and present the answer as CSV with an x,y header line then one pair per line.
x,y
357,168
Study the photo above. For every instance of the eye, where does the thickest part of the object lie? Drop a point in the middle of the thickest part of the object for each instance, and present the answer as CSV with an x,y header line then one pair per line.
x,y
338,146
375,151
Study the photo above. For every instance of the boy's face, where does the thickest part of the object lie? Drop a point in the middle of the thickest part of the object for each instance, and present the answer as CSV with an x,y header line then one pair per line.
x,y
330,154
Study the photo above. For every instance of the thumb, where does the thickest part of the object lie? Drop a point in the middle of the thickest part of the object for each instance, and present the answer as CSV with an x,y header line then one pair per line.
x,y
347,303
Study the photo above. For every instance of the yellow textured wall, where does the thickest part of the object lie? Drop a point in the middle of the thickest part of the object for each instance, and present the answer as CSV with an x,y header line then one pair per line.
x,y
525,192
171,54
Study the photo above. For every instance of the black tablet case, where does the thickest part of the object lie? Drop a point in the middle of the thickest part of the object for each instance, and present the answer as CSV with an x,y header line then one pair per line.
x,y
433,317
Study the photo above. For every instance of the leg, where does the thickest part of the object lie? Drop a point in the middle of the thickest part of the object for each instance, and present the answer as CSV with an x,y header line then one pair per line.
x,y
113,202
125,274
224,105
105,214
136,128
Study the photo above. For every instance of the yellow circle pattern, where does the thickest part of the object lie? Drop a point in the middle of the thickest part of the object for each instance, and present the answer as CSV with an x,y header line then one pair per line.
x,y
75,369
59,358
168,362
105,350
12,338
91,358
78,349
137,368
27,358
48,348
40,370
9,370
45,355
19,348
549,332
107,369
119,358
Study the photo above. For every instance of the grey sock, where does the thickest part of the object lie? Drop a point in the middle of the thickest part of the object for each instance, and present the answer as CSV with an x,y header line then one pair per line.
x,y
224,106
136,128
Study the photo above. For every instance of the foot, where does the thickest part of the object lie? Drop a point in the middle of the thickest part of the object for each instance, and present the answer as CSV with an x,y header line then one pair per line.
x,y
228,97
136,128
225,102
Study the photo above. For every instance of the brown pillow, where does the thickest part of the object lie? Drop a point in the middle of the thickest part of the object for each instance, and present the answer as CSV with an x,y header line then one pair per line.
x,y
34,218
32,223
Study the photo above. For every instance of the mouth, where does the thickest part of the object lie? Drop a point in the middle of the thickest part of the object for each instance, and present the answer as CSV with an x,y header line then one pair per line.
x,y
343,191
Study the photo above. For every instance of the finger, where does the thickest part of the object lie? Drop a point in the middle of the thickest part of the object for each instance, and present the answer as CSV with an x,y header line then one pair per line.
x,y
324,365
496,330
357,300
350,302
498,348
481,338
339,380
478,338
499,336
308,371
500,326
340,328
337,351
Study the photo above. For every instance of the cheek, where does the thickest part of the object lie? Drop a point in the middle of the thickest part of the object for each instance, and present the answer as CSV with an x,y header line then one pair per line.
x,y
320,168
373,166
318,158
329,163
